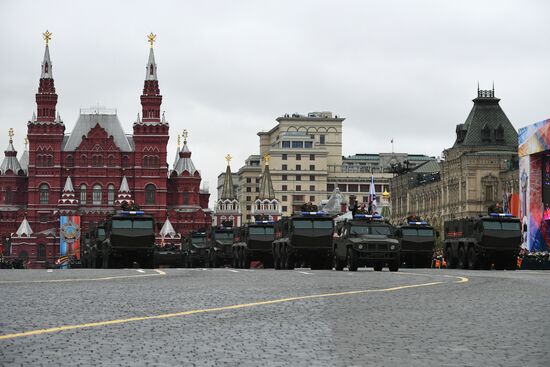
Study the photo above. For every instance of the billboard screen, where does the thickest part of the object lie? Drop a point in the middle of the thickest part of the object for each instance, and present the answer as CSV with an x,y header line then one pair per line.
x,y
70,237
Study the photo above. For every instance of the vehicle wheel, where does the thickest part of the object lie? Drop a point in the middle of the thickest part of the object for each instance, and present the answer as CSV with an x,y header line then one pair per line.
x,y
512,263
276,258
338,265
242,258
462,260
289,261
473,260
452,261
246,261
394,266
282,255
352,260
377,267
105,261
214,261
235,259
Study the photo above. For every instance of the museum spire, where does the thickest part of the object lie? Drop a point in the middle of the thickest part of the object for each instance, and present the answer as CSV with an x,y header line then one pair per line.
x,y
228,191
151,98
46,98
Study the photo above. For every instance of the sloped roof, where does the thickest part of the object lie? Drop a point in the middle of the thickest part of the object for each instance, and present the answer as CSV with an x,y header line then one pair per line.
x,y
228,190
168,230
486,114
24,229
431,166
266,185
184,162
24,161
108,121
10,162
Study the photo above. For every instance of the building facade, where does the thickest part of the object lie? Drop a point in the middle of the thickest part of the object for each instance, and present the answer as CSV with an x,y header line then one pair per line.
x,y
478,171
92,170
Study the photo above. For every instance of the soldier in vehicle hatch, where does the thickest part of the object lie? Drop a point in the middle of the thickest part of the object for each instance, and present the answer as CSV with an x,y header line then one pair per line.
x,y
309,207
353,205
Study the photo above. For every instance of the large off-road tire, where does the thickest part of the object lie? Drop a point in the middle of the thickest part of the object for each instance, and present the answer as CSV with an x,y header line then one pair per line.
x,y
473,259
235,259
377,267
214,260
106,261
512,263
462,258
452,261
337,263
351,259
276,258
289,260
245,261
283,255
394,266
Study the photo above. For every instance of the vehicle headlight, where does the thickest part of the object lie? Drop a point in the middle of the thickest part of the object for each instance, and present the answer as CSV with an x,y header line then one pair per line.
x,y
392,247
360,247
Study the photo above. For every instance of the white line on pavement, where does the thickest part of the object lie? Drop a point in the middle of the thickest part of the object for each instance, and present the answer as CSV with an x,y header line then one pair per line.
x,y
140,271
305,272
233,271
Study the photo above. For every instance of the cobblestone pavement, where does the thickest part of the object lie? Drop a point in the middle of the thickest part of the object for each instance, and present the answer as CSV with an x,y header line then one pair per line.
x,y
412,318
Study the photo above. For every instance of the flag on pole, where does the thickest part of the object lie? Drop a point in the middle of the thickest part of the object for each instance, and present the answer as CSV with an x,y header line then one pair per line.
x,y
372,195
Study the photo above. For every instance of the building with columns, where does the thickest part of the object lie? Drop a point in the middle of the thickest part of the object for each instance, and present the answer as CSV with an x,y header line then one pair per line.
x,y
93,169
479,170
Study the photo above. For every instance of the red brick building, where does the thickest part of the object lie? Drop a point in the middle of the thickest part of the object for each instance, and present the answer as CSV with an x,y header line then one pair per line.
x,y
91,170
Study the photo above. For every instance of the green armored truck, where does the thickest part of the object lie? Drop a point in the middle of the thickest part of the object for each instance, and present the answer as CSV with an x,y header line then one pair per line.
x,y
253,242
220,252
365,240
417,244
473,243
129,239
194,249
304,239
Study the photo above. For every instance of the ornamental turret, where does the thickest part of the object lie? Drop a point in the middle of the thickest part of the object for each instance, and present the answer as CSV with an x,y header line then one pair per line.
x,y
46,98
266,205
228,209
151,98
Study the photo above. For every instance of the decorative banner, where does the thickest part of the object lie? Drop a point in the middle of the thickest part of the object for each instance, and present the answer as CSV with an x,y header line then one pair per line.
x,y
70,237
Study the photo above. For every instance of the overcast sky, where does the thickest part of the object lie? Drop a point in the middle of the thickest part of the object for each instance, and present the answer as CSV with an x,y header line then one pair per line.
x,y
394,69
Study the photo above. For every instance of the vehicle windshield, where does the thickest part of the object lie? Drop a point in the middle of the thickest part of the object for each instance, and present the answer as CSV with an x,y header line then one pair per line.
x,y
100,232
504,226
376,230
132,223
313,224
418,232
198,239
262,231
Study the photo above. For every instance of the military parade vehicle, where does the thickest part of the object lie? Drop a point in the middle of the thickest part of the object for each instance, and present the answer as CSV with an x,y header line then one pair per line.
x,y
168,255
220,252
253,242
129,239
304,239
195,249
473,243
417,244
90,253
365,240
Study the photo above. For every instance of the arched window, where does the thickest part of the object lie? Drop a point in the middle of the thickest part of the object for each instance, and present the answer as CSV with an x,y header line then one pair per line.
x,y
50,161
41,252
83,194
150,194
70,161
125,161
96,195
111,160
150,69
84,161
46,67
8,199
111,194
40,160
97,161
146,161
44,194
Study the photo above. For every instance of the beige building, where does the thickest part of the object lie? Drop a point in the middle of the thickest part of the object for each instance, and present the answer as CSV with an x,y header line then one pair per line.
x,y
306,164
476,173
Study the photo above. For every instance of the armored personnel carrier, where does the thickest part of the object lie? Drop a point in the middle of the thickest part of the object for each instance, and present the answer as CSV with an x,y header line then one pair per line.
x,y
194,249
129,239
304,239
220,252
417,244
473,243
365,240
90,250
253,242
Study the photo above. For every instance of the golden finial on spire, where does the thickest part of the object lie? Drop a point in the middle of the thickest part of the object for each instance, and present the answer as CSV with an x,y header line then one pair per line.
x,y
47,36
151,38
179,140
26,141
185,133
228,158
266,157
10,133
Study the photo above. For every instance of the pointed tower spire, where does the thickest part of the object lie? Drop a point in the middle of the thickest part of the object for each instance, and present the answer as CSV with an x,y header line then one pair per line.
x,y
24,229
177,152
151,98
68,198
184,162
10,162
124,194
46,98
228,191
168,230
266,184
